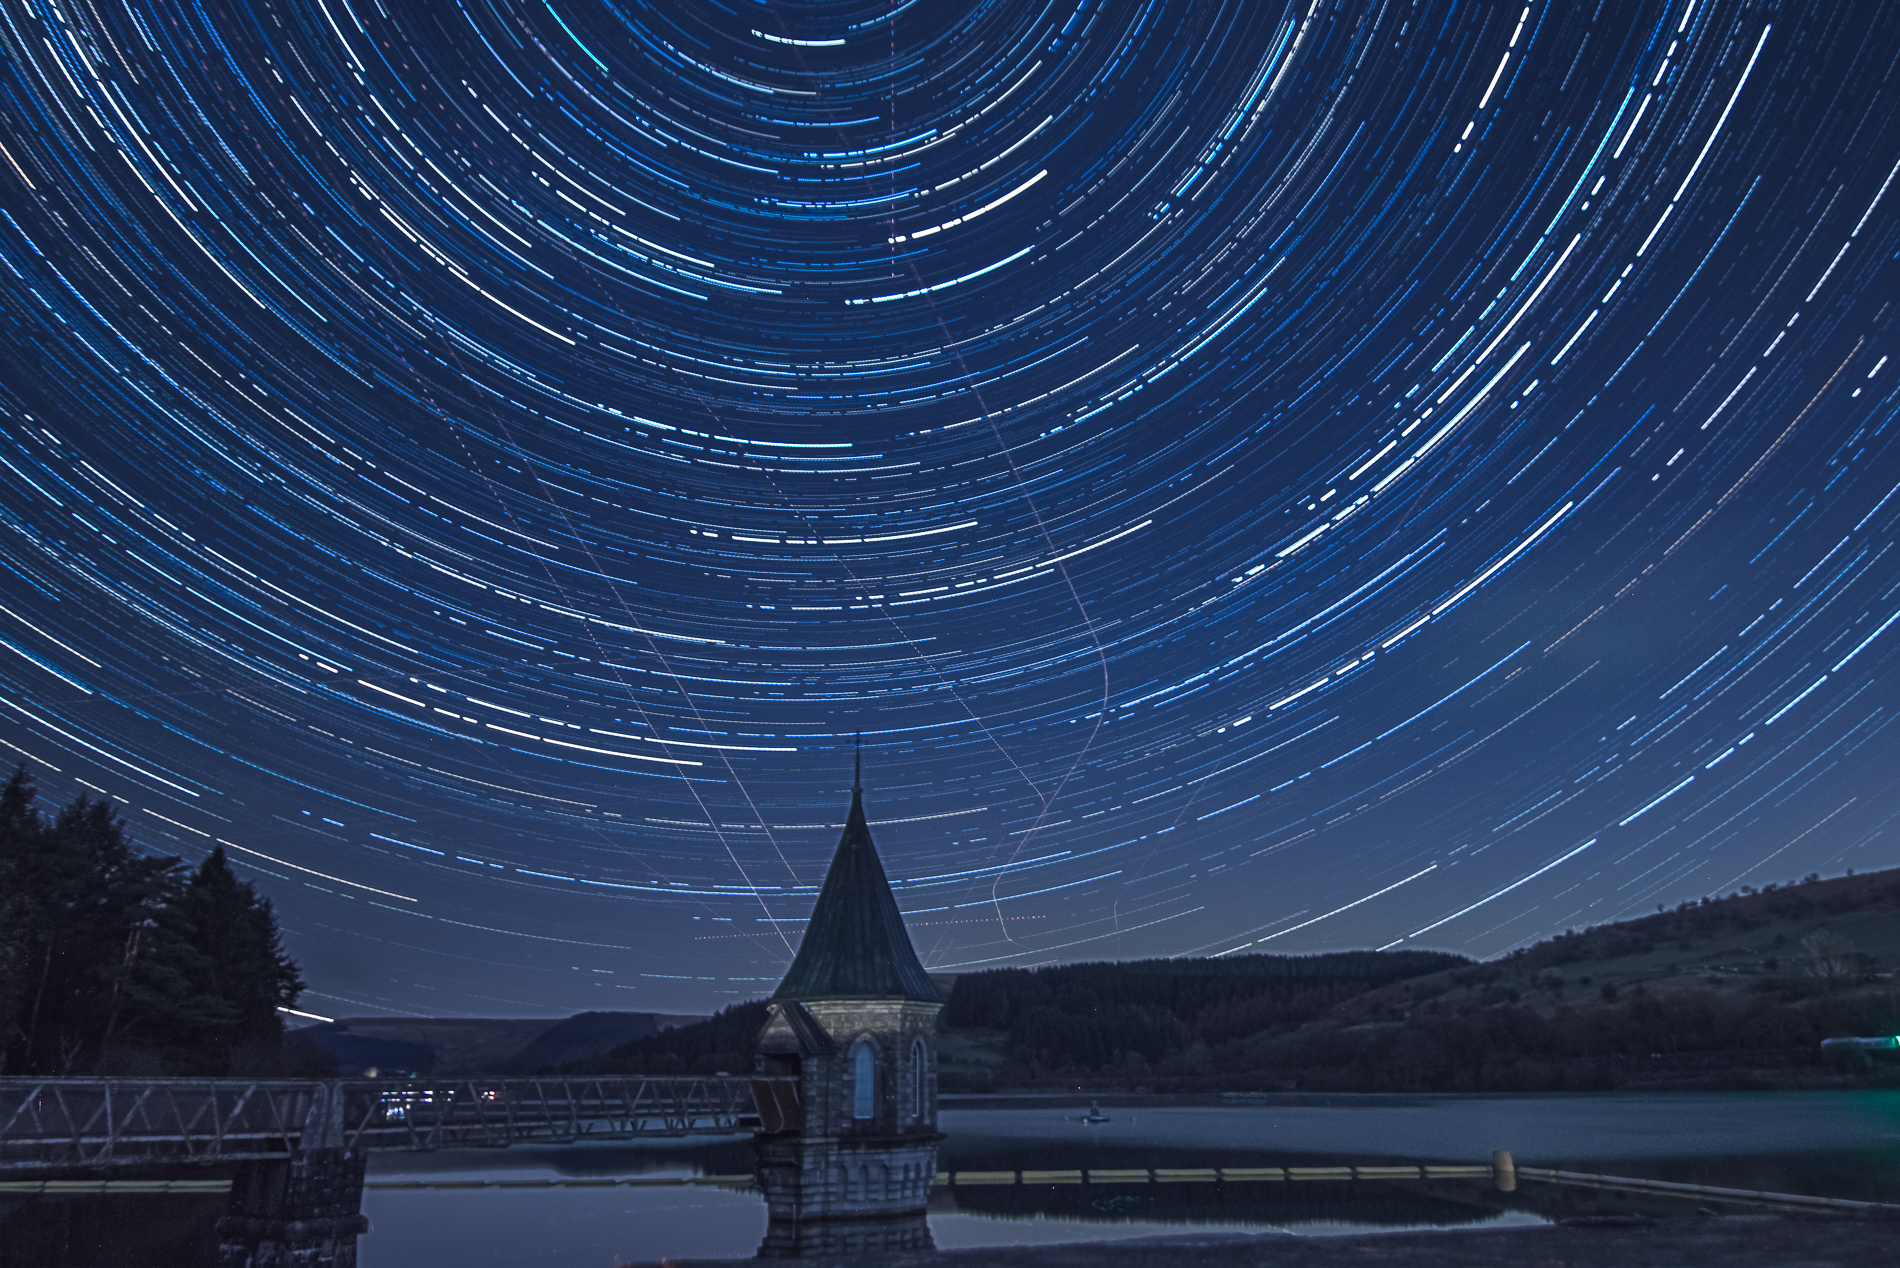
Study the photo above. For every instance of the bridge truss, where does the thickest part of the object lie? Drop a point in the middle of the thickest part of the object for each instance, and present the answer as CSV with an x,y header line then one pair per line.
x,y
95,1123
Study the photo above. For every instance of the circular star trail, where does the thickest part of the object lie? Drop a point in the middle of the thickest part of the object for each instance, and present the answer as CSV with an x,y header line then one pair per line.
x,y
1259,476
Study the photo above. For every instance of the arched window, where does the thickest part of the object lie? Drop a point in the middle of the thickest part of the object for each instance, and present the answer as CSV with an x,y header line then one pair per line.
x,y
919,1063
864,1082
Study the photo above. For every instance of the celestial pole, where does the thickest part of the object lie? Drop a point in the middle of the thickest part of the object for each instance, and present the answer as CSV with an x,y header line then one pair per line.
x,y
1259,477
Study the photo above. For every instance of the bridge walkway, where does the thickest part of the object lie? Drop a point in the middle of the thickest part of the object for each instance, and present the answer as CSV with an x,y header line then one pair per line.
x,y
106,1123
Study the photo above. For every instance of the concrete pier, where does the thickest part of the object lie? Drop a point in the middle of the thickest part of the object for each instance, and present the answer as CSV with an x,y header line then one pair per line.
x,y
298,1213
301,1211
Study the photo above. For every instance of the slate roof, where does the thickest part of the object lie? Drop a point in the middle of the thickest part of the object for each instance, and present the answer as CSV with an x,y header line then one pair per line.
x,y
856,946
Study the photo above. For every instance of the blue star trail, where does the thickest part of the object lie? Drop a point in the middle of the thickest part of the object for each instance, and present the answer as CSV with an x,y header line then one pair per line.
x,y
1271,476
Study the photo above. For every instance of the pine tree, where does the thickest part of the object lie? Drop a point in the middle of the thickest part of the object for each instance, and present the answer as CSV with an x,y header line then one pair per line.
x,y
240,953
21,924
85,896
111,961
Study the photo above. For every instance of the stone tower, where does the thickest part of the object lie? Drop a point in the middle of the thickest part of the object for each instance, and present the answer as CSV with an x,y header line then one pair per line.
x,y
853,1137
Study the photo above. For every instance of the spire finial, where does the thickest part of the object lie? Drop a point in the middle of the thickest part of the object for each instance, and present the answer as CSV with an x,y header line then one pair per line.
x,y
857,765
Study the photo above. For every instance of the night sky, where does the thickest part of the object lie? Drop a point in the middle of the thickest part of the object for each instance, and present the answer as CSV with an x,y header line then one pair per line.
x,y
1260,476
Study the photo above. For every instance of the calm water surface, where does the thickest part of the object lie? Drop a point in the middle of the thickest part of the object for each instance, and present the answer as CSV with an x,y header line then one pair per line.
x,y
1831,1144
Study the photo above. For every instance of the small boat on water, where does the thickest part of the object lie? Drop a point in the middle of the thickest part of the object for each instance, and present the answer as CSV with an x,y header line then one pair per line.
x,y
1095,1114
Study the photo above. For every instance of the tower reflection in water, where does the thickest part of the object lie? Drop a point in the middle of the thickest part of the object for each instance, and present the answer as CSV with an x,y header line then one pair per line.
x,y
808,1239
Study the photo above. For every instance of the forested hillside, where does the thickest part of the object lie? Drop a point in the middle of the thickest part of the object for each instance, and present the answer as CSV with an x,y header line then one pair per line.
x,y
1105,1016
723,1041
1087,1016
1735,992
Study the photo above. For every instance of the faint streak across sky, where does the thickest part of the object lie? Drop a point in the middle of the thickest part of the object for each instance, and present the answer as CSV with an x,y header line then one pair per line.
x,y
484,461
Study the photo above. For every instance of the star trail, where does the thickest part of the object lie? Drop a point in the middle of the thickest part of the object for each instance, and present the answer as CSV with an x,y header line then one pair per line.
x,y
1260,476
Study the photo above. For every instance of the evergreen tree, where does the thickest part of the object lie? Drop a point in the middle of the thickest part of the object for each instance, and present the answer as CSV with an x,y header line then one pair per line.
x,y
85,896
240,953
114,962
202,994
20,915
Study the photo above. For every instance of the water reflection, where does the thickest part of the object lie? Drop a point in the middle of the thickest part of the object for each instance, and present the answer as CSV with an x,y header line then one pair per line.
x,y
811,1239
80,1230
1255,1204
423,1228
1835,1145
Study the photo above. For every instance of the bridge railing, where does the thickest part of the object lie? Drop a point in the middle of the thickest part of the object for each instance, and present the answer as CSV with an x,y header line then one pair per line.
x,y
128,1122
437,1114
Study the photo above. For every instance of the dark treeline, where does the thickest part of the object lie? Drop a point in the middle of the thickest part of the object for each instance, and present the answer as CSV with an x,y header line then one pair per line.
x,y
1503,1045
1091,1017
1670,999
723,1042
115,962
1082,1016
1740,913
1536,1020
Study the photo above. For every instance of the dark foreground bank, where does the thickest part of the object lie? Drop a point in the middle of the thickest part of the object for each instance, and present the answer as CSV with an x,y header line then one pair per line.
x,y
1747,1241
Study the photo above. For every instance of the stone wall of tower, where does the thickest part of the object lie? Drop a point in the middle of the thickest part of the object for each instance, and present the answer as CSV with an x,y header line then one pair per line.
x,y
901,1032
852,1027
837,1166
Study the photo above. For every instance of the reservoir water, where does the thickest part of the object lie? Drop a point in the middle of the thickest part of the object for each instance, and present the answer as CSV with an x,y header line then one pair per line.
x,y
1844,1144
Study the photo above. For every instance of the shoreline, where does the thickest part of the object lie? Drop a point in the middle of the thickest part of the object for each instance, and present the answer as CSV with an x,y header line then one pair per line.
x,y
1810,1079
1758,1240
1058,1098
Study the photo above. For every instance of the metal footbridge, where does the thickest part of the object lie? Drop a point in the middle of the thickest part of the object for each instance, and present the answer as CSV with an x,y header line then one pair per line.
x,y
58,1123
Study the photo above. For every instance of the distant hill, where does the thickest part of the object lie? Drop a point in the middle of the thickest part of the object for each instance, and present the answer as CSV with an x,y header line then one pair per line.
x,y
1089,1015
1011,1026
475,1045
718,1044
352,1056
1726,992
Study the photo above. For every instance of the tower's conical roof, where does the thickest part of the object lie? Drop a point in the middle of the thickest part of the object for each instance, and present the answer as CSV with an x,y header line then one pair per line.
x,y
856,946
